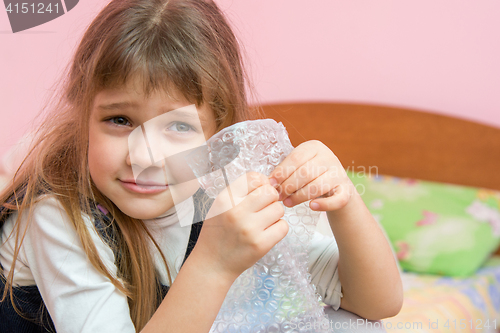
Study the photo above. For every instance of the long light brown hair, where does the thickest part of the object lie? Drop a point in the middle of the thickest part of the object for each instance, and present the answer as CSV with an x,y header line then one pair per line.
x,y
183,44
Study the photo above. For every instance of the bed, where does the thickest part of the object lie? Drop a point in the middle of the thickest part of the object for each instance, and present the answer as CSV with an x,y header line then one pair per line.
x,y
452,166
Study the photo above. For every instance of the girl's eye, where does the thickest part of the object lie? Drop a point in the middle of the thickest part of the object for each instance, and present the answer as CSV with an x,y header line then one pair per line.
x,y
120,121
181,127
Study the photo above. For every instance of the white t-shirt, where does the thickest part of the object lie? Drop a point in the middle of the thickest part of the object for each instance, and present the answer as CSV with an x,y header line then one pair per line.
x,y
80,299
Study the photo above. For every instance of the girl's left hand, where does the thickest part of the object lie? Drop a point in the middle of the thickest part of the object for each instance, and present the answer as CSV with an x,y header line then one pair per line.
x,y
312,171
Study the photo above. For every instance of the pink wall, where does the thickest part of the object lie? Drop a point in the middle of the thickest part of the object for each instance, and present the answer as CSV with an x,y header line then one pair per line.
x,y
438,56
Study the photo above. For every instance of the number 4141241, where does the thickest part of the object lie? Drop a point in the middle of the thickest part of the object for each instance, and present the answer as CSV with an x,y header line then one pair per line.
x,y
39,8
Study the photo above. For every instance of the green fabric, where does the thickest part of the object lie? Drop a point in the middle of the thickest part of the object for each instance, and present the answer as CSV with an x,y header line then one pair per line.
x,y
435,228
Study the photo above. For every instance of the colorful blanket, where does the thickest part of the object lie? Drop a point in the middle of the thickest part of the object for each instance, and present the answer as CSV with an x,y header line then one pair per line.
x,y
443,304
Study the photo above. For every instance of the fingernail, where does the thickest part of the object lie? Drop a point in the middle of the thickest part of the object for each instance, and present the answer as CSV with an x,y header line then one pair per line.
x,y
288,202
314,205
273,182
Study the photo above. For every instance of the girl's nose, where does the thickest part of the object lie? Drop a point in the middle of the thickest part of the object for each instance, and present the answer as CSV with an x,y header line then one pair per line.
x,y
129,163
140,158
139,152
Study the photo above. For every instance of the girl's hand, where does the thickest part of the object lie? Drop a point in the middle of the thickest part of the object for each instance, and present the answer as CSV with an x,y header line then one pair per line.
x,y
234,240
312,171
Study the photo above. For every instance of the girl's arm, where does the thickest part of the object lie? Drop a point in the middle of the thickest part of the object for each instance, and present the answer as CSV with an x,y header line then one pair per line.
x,y
194,299
368,272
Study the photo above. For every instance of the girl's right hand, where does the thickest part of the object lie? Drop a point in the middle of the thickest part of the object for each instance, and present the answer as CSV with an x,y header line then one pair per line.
x,y
235,239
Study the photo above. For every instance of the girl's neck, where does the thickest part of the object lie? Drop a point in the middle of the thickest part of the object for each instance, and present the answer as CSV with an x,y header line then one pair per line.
x,y
182,212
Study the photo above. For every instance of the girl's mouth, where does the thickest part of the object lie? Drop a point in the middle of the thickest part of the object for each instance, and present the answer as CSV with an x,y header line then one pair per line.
x,y
144,187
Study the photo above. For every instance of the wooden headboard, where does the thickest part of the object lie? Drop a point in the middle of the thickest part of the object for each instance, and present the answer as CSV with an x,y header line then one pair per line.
x,y
399,142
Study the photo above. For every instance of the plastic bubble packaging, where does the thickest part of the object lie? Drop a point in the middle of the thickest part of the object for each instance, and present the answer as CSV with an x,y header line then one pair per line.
x,y
276,294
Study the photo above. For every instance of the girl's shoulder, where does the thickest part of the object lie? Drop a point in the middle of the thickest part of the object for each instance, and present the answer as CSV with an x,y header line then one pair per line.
x,y
46,212
49,218
47,209
49,237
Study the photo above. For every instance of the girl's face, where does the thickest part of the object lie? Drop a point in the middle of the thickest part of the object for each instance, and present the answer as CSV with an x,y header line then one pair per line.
x,y
134,145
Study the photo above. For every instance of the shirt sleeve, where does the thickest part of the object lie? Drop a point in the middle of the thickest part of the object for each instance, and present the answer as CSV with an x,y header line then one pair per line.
x,y
78,297
323,267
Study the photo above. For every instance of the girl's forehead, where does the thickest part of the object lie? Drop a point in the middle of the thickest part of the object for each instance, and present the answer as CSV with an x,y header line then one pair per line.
x,y
136,87
133,95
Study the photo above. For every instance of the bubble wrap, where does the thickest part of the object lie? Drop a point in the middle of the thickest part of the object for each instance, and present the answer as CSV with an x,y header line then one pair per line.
x,y
276,294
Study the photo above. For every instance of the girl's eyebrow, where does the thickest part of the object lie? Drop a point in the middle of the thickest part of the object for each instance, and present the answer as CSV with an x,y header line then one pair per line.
x,y
184,114
125,105
116,106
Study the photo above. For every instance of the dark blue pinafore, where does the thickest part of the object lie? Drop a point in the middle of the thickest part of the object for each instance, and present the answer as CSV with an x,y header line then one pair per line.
x,y
29,300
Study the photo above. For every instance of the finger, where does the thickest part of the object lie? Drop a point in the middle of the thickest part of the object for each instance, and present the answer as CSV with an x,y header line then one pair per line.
x,y
269,215
303,176
340,197
246,183
274,233
260,198
236,193
256,180
298,157
322,185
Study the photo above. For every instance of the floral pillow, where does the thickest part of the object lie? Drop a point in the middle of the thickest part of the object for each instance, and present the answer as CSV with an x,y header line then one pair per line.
x,y
435,228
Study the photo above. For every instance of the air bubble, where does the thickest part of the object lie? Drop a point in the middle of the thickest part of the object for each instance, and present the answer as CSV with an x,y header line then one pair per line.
x,y
272,306
278,294
216,144
269,260
219,183
259,329
276,271
307,219
240,132
263,295
301,210
257,305
251,317
265,318
274,328
284,281
269,283
262,270
228,137
294,220
272,137
263,138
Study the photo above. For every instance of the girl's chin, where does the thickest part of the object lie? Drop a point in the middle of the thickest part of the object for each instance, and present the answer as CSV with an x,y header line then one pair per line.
x,y
143,211
147,215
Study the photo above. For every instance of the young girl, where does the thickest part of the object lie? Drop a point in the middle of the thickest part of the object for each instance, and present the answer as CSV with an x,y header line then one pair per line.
x,y
86,247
